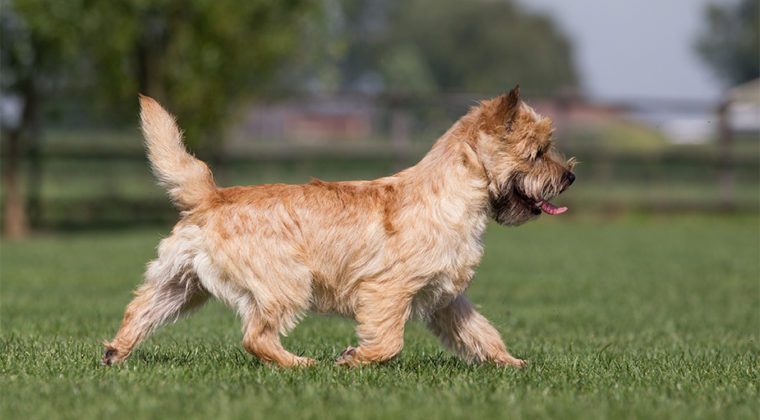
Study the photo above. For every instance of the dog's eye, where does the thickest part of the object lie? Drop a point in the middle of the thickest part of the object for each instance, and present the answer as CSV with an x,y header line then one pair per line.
x,y
539,153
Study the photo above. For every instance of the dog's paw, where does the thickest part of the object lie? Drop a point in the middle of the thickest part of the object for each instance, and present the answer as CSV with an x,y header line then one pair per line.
x,y
509,361
348,357
111,356
513,362
520,363
108,357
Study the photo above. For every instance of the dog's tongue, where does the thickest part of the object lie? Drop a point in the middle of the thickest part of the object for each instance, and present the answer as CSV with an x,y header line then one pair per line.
x,y
550,208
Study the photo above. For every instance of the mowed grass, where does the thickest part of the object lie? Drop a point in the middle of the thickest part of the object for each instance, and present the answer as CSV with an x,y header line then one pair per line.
x,y
639,318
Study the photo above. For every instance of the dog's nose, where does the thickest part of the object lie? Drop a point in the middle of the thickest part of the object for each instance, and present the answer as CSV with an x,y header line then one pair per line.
x,y
569,178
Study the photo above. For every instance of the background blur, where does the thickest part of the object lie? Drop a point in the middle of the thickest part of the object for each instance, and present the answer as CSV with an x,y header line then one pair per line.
x,y
660,101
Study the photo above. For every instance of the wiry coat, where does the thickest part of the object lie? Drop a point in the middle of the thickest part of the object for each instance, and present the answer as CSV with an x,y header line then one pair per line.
x,y
379,251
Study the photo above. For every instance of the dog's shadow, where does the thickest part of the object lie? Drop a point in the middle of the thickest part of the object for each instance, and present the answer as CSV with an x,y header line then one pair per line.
x,y
193,357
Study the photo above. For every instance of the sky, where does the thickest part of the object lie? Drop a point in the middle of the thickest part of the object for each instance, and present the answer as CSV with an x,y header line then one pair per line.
x,y
641,49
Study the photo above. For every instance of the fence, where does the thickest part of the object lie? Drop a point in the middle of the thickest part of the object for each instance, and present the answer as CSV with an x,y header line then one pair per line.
x,y
79,178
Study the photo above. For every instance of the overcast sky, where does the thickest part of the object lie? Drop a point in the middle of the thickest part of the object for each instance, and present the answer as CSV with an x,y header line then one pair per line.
x,y
636,49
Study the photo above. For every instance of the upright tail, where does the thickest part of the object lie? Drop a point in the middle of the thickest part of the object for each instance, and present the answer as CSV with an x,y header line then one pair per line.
x,y
187,179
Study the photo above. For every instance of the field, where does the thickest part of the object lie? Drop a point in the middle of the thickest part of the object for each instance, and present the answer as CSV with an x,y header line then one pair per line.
x,y
636,318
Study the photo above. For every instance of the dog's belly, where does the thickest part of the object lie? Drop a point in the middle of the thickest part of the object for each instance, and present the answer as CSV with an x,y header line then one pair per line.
x,y
431,293
432,278
439,291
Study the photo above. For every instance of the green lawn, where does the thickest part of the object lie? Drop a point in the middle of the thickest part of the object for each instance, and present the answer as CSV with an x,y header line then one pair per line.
x,y
637,318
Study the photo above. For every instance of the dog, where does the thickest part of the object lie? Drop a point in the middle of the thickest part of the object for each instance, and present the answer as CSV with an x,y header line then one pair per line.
x,y
379,251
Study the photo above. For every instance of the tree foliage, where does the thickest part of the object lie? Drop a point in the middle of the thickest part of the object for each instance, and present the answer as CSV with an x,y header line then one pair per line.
x,y
454,46
730,43
485,46
196,56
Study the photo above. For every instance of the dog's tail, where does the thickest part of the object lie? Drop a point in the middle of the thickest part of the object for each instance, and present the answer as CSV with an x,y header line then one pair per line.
x,y
187,179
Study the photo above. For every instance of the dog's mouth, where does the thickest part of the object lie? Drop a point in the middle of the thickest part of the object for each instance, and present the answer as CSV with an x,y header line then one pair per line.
x,y
536,206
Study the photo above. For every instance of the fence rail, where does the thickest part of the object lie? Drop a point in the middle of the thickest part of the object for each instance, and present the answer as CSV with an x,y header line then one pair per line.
x,y
374,151
80,179
89,188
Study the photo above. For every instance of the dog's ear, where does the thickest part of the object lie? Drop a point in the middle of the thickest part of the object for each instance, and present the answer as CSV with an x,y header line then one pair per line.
x,y
513,97
505,107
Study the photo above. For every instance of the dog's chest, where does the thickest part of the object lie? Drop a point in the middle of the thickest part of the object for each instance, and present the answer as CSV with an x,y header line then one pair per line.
x,y
459,255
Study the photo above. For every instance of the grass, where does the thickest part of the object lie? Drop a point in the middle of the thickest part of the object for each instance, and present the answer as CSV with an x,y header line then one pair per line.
x,y
639,318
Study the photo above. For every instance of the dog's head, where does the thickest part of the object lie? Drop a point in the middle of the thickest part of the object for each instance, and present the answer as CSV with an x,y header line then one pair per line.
x,y
524,170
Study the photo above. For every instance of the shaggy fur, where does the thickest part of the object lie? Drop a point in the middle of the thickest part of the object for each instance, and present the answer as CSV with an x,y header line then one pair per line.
x,y
379,251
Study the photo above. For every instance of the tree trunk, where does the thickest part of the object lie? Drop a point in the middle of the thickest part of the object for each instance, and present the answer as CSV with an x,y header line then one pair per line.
x,y
15,221
14,216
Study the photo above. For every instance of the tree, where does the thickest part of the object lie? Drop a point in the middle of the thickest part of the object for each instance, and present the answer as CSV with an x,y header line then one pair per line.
x,y
481,46
197,57
730,43
485,46
32,55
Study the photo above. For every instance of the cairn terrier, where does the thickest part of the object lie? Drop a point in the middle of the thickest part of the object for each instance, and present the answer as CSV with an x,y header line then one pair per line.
x,y
379,251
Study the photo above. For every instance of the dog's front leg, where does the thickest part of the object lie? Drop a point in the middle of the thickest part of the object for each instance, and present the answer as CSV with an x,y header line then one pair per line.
x,y
469,334
382,316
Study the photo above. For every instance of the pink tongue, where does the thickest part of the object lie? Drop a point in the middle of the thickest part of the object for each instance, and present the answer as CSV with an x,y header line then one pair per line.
x,y
551,209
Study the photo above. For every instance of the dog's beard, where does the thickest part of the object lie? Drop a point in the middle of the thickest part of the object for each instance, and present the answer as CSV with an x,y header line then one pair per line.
x,y
511,207
523,198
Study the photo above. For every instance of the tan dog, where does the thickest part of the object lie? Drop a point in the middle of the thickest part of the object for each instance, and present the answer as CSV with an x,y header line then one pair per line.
x,y
380,251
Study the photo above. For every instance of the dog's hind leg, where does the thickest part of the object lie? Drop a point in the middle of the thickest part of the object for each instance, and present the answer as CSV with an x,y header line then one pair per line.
x,y
262,339
158,300
271,305
469,334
